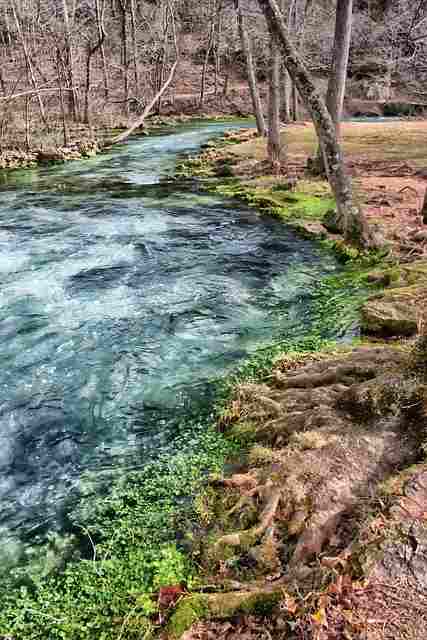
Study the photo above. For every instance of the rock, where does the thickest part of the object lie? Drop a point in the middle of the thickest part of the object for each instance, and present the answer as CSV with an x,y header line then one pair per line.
x,y
392,314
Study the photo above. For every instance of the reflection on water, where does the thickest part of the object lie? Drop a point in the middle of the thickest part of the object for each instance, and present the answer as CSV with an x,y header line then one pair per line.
x,y
119,298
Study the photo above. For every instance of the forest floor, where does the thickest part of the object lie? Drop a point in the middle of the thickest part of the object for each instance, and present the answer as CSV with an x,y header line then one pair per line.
x,y
319,532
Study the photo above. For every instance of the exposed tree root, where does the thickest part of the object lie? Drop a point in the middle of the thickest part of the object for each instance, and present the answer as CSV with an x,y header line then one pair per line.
x,y
337,428
250,537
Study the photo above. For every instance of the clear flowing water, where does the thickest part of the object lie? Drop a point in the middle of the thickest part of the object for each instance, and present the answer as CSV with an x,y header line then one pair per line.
x,y
121,295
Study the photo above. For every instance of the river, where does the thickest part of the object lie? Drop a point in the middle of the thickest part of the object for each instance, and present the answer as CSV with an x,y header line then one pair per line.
x,y
122,294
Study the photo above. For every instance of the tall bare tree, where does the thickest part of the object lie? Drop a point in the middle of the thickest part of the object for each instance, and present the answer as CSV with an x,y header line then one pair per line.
x,y
73,101
350,219
250,69
27,56
91,49
273,143
338,74
209,49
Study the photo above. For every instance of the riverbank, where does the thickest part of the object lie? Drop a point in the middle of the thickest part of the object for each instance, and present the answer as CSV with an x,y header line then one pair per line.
x,y
322,522
82,141
387,161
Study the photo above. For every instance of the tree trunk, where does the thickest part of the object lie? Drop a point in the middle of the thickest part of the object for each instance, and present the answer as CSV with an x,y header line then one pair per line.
x,y
90,52
295,103
70,62
286,112
30,70
217,47
63,114
424,209
122,7
273,145
350,220
99,9
207,55
28,123
338,74
134,46
252,81
340,56
162,60
418,354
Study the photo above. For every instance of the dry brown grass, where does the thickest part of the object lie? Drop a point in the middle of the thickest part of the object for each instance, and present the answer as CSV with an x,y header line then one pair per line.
x,y
393,141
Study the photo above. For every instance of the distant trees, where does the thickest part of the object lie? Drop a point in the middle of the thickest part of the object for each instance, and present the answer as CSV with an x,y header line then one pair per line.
x,y
103,61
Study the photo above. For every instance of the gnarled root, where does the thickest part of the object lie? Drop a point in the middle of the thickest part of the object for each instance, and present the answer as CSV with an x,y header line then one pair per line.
x,y
250,537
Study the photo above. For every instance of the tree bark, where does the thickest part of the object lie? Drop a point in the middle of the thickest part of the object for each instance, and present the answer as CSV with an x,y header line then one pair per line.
x,y
286,115
123,27
338,74
273,145
90,53
134,46
295,103
99,10
424,209
350,220
207,55
28,63
252,81
70,62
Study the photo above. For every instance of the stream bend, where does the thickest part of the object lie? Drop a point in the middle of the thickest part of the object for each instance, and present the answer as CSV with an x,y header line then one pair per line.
x,y
121,296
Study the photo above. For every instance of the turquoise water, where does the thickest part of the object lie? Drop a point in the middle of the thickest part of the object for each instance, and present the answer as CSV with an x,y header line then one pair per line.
x,y
123,293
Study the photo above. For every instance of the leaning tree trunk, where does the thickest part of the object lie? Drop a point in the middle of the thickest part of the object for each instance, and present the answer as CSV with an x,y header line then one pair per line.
x,y
273,145
350,220
338,74
252,81
140,121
